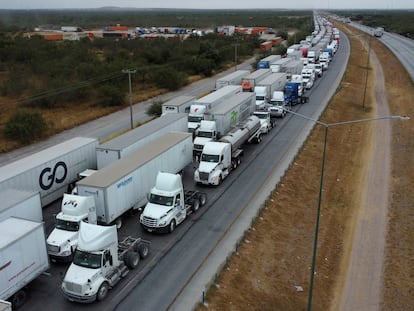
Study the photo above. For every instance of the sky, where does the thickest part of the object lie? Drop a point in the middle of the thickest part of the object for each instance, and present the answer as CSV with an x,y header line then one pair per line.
x,y
210,4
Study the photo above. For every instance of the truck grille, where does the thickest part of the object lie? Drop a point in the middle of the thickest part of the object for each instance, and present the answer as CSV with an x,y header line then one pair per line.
x,y
53,248
149,222
73,287
203,175
198,147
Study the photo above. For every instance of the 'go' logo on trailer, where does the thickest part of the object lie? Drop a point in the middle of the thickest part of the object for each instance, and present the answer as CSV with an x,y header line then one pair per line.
x,y
48,177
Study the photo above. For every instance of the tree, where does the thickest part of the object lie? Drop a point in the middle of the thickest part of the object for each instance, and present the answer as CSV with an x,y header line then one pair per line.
x,y
25,126
110,95
170,78
155,109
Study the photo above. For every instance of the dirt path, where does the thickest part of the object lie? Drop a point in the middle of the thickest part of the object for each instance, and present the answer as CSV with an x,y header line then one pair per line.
x,y
363,283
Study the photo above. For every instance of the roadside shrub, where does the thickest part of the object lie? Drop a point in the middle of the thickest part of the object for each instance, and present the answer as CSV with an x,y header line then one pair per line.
x,y
25,126
170,79
109,96
155,109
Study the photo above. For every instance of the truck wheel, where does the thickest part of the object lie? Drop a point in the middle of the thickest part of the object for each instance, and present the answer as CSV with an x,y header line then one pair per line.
x,y
172,226
143,250
234,163
118,223
203,199
18,299
195,205
131,260
102,292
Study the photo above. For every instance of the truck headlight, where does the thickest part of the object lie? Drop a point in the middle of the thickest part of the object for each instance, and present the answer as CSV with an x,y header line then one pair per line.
x,y
66,252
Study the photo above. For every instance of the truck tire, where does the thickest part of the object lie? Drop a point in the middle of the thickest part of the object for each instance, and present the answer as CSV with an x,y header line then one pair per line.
x,y
195,205
203,199
131,260
234,164
102,292
18,299
118,223
172,226
143,250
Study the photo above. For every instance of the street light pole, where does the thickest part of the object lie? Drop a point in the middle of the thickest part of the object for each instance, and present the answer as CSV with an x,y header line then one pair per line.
x,y
129,71
366,72
318,213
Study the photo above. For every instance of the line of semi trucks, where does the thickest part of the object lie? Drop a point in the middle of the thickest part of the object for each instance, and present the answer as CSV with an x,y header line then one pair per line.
x,y
138,171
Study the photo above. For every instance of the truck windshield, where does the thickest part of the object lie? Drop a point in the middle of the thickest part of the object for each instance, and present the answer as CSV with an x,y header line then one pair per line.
x,y
161,200
195,119
277,102
87,260
261,115
205,134
213,158
67,225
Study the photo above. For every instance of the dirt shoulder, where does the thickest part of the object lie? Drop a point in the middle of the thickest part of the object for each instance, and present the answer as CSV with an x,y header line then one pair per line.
x,y
271,270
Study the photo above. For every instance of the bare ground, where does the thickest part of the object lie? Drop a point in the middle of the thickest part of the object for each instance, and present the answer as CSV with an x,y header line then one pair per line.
x,y
273,264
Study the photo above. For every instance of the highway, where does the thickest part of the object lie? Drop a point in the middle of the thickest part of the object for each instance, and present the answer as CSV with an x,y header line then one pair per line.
x,y
170,284
402,47
163,278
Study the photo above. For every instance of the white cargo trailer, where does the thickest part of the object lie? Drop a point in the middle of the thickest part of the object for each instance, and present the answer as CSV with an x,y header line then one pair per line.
x,y
20,203
249,82
124,184
232,111
265,88
123,145
205,103
277,66
233,78
178,104
294,67
51,170
23,257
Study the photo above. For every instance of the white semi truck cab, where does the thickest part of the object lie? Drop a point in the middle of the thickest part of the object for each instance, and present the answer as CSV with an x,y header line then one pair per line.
x,y
63,240
261,97
169,205
220,158
266,121
195,116
100,262
205,133
215,163
277,107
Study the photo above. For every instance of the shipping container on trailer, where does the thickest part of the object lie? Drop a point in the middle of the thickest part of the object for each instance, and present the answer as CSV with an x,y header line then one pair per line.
x,y
124,184
233,78
178,104
127,143
233,110
249,82
23,256
20,203
51,170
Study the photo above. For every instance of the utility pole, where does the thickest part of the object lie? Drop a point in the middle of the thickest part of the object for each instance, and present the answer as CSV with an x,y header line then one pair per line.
x,y
129,71
235,55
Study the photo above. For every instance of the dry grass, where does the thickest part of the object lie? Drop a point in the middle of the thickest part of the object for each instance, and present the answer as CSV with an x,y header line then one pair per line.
x,y
67,116
277,254
399,263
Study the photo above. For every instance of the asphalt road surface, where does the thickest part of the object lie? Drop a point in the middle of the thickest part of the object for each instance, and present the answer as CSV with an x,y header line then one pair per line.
x,y
175,257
